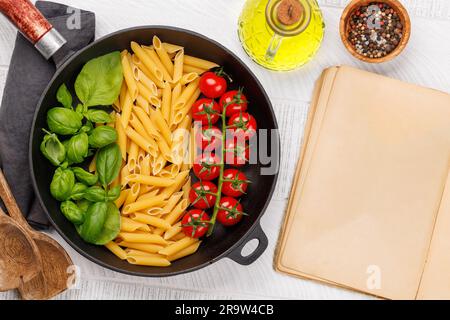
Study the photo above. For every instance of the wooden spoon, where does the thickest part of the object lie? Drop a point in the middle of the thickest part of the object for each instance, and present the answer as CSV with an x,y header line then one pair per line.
x,y
20,259
54,276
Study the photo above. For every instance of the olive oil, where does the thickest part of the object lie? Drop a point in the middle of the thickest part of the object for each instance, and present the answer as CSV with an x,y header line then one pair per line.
x,y
281,34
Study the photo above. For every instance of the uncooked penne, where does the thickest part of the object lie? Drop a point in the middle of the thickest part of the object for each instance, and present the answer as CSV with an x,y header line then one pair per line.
x,y
122,197
153,221
171,48
121,137
156,60
199,63
130,225
176,228
127,105
177,246
166,102
172,202
185,252
157,118
177,212
189,69
148,261
142,238
150,180
178,62
144,204
129,78
186,94
147,60
146,247
118,251
162,54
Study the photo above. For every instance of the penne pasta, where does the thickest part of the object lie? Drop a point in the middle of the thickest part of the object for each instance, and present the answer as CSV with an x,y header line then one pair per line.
x,y
142,238
176,228
178,66
162,54
199,63
157,118
147,60
190,69
121,137
129,78
122,197
156,60
177,246
186,94
118,251
132,155
132,194
185,252
182,113
130,225
153,221
172,202
166,102
177,212
172,48
148,261
144,204
126,109
138,139
150,180
188,78
146,247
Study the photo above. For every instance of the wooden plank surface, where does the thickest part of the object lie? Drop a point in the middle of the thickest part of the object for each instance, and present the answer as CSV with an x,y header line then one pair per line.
x,y
426,61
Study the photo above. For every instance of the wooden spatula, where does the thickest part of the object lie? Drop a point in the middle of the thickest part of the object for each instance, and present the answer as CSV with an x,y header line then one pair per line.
x,y
20,259
54,276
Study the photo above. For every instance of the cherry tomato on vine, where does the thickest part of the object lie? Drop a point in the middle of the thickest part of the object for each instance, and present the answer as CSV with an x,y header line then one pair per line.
x,y
203,195
195,223
212,84
243,123
207,167
235,183
230,211
237,152
206,110
235,100
209,138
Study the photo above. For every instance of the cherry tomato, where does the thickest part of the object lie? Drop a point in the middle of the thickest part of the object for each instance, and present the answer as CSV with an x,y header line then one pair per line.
x,y
209,138
206,167
202,194
237,152
206,110
235,100
243,123
212,84
230,211
235,183
195,223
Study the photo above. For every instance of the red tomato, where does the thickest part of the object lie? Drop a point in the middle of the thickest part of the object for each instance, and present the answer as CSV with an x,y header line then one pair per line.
x,y
195,223
206,167
237,152
243,123
235,100
212,84
235,183
230,211
209,138
206,110
202,194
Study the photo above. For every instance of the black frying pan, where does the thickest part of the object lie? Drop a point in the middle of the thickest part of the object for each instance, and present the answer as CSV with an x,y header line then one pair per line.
x,y
227,242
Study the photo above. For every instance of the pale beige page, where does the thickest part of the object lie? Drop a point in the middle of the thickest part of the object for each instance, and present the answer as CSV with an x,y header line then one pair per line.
x,y
373,186
435,283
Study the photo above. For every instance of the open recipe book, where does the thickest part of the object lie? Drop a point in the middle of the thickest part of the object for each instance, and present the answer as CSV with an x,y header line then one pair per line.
x,y
370,204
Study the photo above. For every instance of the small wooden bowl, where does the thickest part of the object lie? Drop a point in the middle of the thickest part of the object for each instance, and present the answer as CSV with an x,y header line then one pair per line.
x,y
345,26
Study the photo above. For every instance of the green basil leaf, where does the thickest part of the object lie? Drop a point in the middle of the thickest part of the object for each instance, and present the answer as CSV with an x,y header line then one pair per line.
x,y
113,193
109,160
95,194
95,218
100,80
111,227
84,204
78,148
53,149
80,109
63,121
102,136
64,97
87,128
62,184
78,191
72,212
85,177
97,116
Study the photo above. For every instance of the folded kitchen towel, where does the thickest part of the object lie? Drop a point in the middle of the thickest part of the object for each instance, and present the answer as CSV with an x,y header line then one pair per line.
x,y
29,73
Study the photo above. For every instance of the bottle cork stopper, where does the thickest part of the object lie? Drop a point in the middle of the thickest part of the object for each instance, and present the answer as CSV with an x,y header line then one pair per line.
x,y
289,11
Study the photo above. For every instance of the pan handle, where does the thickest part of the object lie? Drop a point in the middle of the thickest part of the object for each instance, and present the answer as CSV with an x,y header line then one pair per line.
x,y
33,25
258,234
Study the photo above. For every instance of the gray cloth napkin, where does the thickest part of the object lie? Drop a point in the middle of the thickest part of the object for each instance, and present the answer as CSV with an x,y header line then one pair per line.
x,y
29,73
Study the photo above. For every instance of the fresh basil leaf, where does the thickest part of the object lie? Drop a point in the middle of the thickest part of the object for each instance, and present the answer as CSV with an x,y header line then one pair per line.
x,y
85,177
78,148
87,128
109,160
100,80
113,193
95,218
80,109
97,116
62,184
78,191
95,194
63,121
84,204
64,97
72,212
111,227
102,136
53,149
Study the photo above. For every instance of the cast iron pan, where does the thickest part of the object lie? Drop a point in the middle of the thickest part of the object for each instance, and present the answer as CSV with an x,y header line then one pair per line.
x,y
224,242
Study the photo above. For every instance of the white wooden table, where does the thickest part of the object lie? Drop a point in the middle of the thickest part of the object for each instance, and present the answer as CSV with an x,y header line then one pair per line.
x,y
425,61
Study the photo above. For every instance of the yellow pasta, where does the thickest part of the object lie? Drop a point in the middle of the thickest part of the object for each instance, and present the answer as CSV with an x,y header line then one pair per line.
x,y
129,225
159,83
137,125
144,204
138,139
171,48
185,252
121,137
150,180
189,69
126,109
178,62
145,165
166,102
162,54
157,118
199,63
146,247
148,261
186,189
147,82
186,94
118,251
142,238
122,197
172,202
181,114
147,60
132,155
132,194
177,212
188,78
156,60
129,78
148,126
176,228
177,246
159,164
153,221
179,181
144,91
